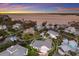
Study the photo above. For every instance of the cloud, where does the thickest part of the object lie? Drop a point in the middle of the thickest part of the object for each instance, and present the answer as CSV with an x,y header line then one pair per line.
x,y
35,8
11,7
70,8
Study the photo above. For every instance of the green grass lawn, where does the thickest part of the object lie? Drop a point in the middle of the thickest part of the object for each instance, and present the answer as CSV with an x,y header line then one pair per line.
x,y
6,45
55,44
31,51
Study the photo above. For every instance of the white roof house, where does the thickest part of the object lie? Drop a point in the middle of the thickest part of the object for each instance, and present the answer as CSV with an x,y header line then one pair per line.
x,y
48,26
43,51
65,41
42,34
42,45
3,27
15,50
17,26
68,46
29,30
53,34
12,38
73,45
70,30
61,52
39,27
65,48
77,32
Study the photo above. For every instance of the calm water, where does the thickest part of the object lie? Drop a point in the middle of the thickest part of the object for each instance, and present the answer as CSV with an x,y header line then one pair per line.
x,y
50,18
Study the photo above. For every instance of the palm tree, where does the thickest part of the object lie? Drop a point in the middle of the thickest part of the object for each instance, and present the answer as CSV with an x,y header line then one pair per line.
x,y
3,34
55,26
44,23
28,24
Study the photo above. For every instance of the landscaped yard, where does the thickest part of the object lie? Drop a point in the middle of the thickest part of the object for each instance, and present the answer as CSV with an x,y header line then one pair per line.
x,y
6,45
27,37
31,51
55,44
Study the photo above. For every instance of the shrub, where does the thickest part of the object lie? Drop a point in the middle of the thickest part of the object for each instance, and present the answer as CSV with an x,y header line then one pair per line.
x,y
32,51
6,45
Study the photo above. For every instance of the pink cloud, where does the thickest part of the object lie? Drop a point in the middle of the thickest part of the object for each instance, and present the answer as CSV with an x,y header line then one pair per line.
x,y
8,7
70,8
67,9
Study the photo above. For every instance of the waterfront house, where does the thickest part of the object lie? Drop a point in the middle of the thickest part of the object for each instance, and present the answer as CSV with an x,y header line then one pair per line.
x,y
53,34
39,27
70,30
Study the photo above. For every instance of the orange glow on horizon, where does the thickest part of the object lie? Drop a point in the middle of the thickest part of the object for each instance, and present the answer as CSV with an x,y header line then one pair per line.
x,y
16,12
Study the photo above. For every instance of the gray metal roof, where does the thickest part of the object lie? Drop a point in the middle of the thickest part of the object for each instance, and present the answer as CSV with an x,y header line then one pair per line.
x,y
53,32
4,53
16,50
38,43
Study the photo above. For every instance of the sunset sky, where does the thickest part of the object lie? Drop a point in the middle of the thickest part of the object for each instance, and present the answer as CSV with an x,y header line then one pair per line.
x,y
39,8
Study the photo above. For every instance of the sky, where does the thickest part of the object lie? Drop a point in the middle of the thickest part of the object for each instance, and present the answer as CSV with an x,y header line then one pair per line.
x,y
39,7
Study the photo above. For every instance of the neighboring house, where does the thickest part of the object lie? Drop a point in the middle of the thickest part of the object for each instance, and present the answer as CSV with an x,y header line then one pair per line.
x,y
65,41
16,26
11,38
39,27
43,35
53,34
15,50
3,27
50,26
70,30
62,52
63,49
73,45
42,45
67,46
77,32
43,51
29,30
63,26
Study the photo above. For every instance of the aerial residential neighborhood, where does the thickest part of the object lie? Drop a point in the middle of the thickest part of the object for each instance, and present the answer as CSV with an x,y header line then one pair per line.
x,y
27,38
